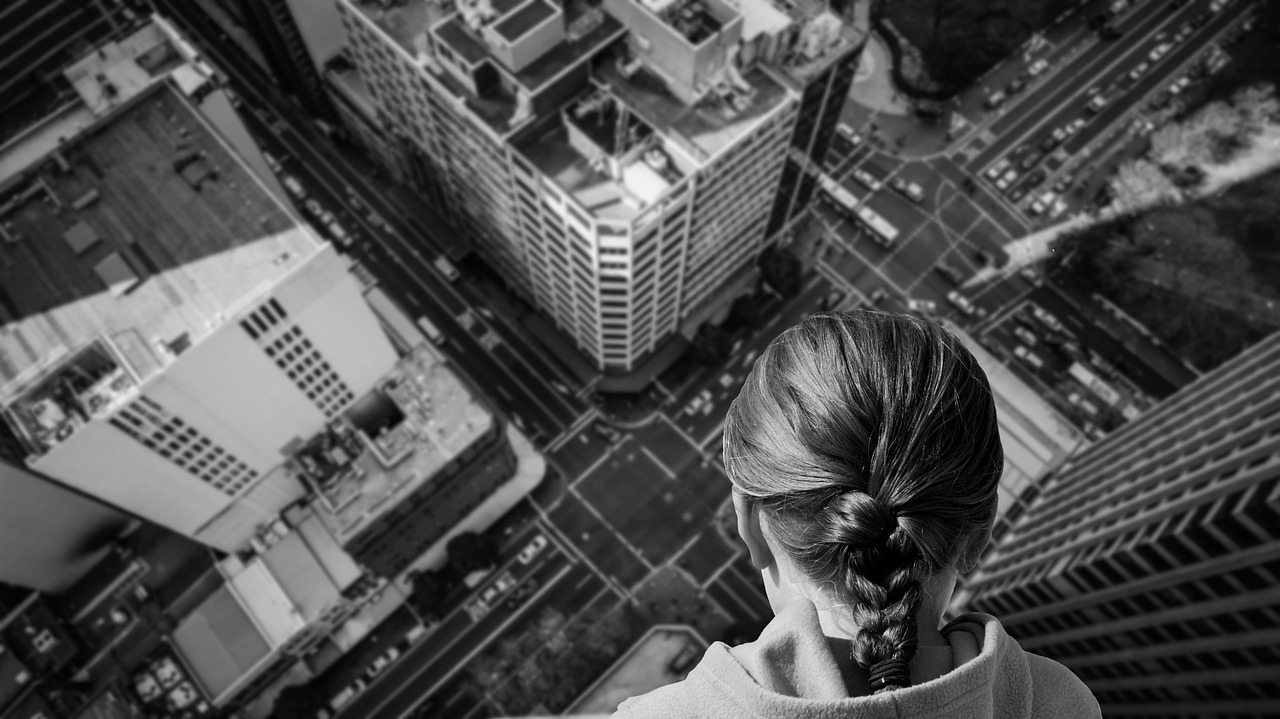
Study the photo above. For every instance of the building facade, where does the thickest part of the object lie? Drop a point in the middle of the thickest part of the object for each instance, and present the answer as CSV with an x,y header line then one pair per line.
x,y
618,164
169,326
1150,563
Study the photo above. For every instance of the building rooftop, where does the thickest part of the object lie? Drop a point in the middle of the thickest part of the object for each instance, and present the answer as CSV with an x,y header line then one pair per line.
x,y
664,655
121,248
588,30
390,443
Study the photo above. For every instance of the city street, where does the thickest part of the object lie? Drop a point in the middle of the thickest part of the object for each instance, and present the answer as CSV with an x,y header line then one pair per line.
x,y
622,506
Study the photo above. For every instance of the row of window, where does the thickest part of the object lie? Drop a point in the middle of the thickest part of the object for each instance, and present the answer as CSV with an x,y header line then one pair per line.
x,y
157,429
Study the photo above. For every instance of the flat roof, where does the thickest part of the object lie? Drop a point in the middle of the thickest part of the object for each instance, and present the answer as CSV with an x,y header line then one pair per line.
x,y
301,576
439,418
220,642
530,15
408,23
645,667
706,128
171,203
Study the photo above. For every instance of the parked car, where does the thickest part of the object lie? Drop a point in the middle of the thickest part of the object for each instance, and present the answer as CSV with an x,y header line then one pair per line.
x,y
532,549
994,100
1077,400
1160,51
866,179
994,172
522,592
910,190
877,295
1139,71
1016,85
1030,160
1028,356
1096,103
849,134
1179,85
381,662
1004,182
1017,193
1025,335
927,307
697,403
609,434
964,304
1047,319
1038,67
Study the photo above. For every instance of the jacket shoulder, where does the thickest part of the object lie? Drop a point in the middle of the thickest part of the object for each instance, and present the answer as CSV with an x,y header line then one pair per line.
x,y
1057,693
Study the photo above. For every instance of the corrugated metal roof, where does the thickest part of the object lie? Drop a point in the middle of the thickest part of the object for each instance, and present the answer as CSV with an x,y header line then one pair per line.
x,y
301,576
220,642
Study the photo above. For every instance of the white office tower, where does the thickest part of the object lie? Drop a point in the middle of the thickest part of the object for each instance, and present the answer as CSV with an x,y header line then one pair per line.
x,y
166,326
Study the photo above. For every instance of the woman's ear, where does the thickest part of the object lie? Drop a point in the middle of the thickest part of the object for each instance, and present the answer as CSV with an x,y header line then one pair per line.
x,y
751,532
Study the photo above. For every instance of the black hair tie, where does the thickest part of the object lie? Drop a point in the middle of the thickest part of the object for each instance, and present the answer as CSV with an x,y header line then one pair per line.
x,y
890,671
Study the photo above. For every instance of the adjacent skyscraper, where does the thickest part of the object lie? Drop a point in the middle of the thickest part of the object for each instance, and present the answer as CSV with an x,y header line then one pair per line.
x,y
1150,564
619,162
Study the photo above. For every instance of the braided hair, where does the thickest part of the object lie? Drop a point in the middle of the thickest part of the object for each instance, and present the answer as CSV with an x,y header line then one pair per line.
x,y
870,441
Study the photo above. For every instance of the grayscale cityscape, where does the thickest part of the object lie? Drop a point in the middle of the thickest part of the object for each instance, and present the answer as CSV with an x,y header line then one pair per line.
x,y
369,359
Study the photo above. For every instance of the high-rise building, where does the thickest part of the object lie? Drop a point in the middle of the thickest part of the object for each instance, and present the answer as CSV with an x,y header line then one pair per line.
x,y
168,326
1150,562
616,162
294,38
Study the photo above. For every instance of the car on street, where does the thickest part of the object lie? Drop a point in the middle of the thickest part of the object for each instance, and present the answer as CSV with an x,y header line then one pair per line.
x,y
505,582
340,234
1159,51
532,549
1051,143
1078,401
345,696
272,162
1046,318
750,357
909,190
953,274
560,387
1004,182
1030,275
1063,184
866,179
1016,85
962,303
877,295
1059,207
1043,203
994,100
1096,103
927,307
1075,126
1141,126
446,268
381,662
607,433
1038,67
994,172
697,403
314,207
1028,356
849,134
1179,85
1184,32
1139,71
523,592
1025,335
727,379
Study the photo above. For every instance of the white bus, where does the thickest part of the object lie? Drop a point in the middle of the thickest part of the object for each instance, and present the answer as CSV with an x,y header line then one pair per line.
x,y
402,331
1094,384
882,232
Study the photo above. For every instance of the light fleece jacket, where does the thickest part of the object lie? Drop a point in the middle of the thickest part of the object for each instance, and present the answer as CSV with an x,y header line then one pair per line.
x,y
793,671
